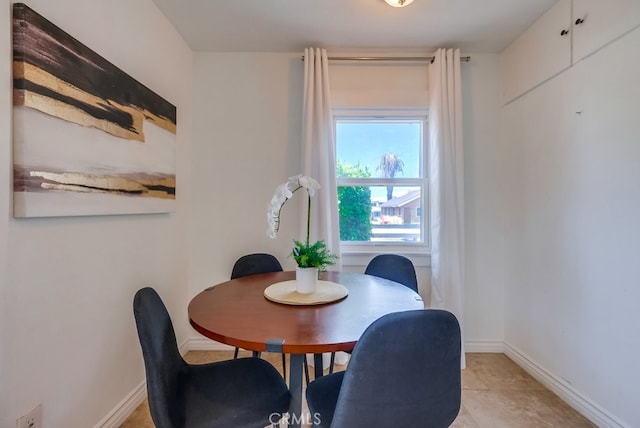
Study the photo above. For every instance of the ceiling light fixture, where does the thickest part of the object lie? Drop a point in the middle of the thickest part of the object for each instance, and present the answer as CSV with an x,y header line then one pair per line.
x,y
399,3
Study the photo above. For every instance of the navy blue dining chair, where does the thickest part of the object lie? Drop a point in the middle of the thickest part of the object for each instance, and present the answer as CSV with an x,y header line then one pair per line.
x,y
404,372
393,267
246,392
254,264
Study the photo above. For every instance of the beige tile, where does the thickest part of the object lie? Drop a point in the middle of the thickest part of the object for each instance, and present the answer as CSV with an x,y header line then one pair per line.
x,y
471,380
496,394
464,420
497,371
203,357
140,418
522,409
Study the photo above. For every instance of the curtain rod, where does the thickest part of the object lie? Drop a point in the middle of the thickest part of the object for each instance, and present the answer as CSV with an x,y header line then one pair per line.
x,y
387,58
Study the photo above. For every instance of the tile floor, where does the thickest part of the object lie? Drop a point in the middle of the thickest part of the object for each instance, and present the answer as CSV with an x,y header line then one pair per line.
x,y
496,393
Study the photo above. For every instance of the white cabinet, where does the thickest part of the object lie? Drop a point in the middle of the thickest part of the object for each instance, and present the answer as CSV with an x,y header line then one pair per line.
x,y
565,34
598,22
538,54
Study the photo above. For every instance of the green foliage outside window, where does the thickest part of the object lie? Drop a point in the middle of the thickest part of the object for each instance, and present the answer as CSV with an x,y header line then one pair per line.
x,y
354,204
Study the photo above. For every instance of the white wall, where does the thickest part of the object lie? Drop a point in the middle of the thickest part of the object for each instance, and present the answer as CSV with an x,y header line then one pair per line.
x,y
571,299
68,338
247,114
247,129
484,169
5,189
78,275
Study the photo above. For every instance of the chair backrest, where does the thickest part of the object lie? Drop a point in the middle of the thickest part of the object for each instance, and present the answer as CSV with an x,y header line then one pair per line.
x,y
163,363
253,264
404,371
394,267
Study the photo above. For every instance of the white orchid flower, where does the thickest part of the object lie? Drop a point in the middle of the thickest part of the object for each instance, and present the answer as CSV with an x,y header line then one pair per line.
x,y
306,254
310,184
282,194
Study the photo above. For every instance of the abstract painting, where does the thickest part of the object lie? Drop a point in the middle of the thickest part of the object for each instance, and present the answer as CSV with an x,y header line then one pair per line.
x,y
88,138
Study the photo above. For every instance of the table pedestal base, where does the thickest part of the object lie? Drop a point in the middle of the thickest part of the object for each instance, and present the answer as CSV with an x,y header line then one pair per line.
x,y
296,368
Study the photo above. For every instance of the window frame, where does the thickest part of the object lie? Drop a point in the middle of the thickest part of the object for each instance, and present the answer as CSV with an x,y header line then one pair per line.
x,y
364,249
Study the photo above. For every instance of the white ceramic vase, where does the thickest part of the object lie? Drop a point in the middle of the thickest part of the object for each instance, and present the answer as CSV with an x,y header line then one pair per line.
x,y
306,280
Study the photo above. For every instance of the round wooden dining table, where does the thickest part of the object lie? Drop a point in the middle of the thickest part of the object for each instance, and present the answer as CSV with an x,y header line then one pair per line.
x,y
237,313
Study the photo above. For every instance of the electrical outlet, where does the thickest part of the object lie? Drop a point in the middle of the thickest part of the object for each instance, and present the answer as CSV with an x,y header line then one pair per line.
x,y
33,419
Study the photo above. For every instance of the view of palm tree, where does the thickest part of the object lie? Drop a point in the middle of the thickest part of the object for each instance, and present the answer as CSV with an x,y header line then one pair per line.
x,y
390,165
385,204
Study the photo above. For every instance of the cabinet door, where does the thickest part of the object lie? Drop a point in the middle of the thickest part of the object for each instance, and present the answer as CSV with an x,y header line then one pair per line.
x,y
602,22
540,53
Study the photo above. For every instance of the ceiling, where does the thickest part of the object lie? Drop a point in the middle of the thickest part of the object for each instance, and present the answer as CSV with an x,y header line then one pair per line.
x,y
350,25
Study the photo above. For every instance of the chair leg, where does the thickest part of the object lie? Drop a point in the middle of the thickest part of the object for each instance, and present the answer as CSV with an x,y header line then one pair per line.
x,y
333,360
235,354
256,354
318,366
284,368
306,369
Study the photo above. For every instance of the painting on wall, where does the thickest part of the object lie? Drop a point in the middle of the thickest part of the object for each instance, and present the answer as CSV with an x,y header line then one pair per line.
x,y
88,138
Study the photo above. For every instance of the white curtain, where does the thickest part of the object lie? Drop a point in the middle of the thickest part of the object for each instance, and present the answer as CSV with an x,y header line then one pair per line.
x,y
319,160
446,190
319,150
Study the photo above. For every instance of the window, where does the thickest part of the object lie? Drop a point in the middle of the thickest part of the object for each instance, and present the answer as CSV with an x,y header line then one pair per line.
x,y
381,176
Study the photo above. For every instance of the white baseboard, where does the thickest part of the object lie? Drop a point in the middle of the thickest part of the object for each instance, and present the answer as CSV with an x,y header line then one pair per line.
x,y
565,391
124,408
184,347
205,344
484,346
130,403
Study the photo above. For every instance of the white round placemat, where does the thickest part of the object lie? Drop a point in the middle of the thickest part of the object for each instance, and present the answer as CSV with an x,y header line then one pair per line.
x,y
285,292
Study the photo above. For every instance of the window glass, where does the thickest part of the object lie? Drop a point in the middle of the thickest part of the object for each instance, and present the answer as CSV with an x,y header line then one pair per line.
x,y
380,174
364,142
